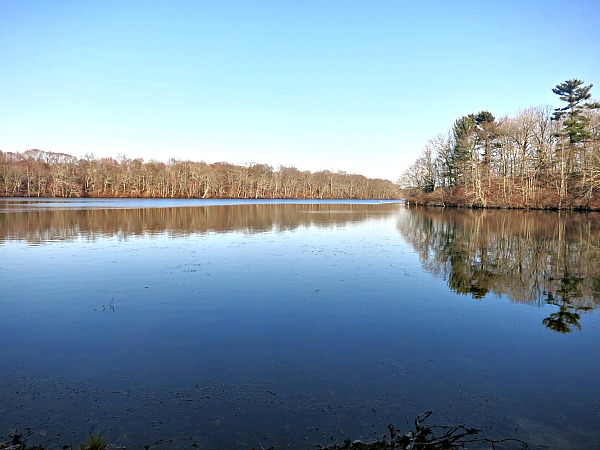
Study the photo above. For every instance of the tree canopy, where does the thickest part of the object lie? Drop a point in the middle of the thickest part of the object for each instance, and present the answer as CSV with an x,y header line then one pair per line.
x,y
36,173
540,158
575,123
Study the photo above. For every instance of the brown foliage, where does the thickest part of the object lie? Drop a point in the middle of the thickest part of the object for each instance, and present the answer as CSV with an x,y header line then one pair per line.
x,y
36,173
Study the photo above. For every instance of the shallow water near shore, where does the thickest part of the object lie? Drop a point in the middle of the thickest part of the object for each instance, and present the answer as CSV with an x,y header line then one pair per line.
x,y
225,324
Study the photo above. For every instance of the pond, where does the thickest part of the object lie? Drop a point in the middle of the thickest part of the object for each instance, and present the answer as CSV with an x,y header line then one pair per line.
x,y
236,324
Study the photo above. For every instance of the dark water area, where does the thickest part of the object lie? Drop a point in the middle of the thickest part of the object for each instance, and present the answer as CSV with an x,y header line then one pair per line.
x,y
236,324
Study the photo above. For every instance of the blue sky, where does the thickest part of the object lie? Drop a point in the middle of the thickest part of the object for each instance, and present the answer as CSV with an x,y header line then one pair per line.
x,y
357,86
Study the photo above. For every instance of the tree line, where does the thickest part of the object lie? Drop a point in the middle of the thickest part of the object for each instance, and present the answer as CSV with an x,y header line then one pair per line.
x,y
37,173
540,158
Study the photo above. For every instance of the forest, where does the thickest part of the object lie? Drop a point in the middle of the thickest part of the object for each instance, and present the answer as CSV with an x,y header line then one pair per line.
x,y
37,173
542,158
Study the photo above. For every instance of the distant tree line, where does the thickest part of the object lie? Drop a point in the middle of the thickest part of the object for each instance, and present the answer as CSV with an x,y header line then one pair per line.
x,y
541,158
37,173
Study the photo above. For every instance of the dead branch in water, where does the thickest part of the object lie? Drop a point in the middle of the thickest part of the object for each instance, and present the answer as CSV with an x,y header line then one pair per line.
x,y
435,437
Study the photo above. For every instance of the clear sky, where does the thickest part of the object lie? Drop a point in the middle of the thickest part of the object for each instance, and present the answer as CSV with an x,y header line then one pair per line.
x,y
357,86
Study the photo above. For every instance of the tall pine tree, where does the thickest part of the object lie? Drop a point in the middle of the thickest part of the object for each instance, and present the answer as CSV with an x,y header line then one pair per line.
x,y
575,93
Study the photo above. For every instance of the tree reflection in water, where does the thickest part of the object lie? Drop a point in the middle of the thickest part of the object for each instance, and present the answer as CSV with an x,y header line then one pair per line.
x,y
567,316
534,257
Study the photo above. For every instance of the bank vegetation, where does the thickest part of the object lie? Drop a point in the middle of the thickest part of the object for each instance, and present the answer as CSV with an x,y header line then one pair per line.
x,y
540,158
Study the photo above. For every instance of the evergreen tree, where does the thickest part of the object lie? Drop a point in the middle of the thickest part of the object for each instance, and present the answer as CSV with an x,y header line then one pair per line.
x,y
483,117
470,132
575,93
462,131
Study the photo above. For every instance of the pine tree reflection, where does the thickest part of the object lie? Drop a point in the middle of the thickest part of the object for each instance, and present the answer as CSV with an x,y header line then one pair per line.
x,y
567,316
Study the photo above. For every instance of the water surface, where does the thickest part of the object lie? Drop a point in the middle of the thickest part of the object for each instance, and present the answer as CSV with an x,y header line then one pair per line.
x,y
239,324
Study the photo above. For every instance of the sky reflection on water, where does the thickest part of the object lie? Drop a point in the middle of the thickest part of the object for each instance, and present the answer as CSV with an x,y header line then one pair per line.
x,y
282,325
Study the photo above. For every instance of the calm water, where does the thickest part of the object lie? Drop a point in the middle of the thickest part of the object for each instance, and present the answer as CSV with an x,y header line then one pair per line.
x,y
233,324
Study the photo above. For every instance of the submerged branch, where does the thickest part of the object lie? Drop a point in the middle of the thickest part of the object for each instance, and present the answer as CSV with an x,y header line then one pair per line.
x,y
436,437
